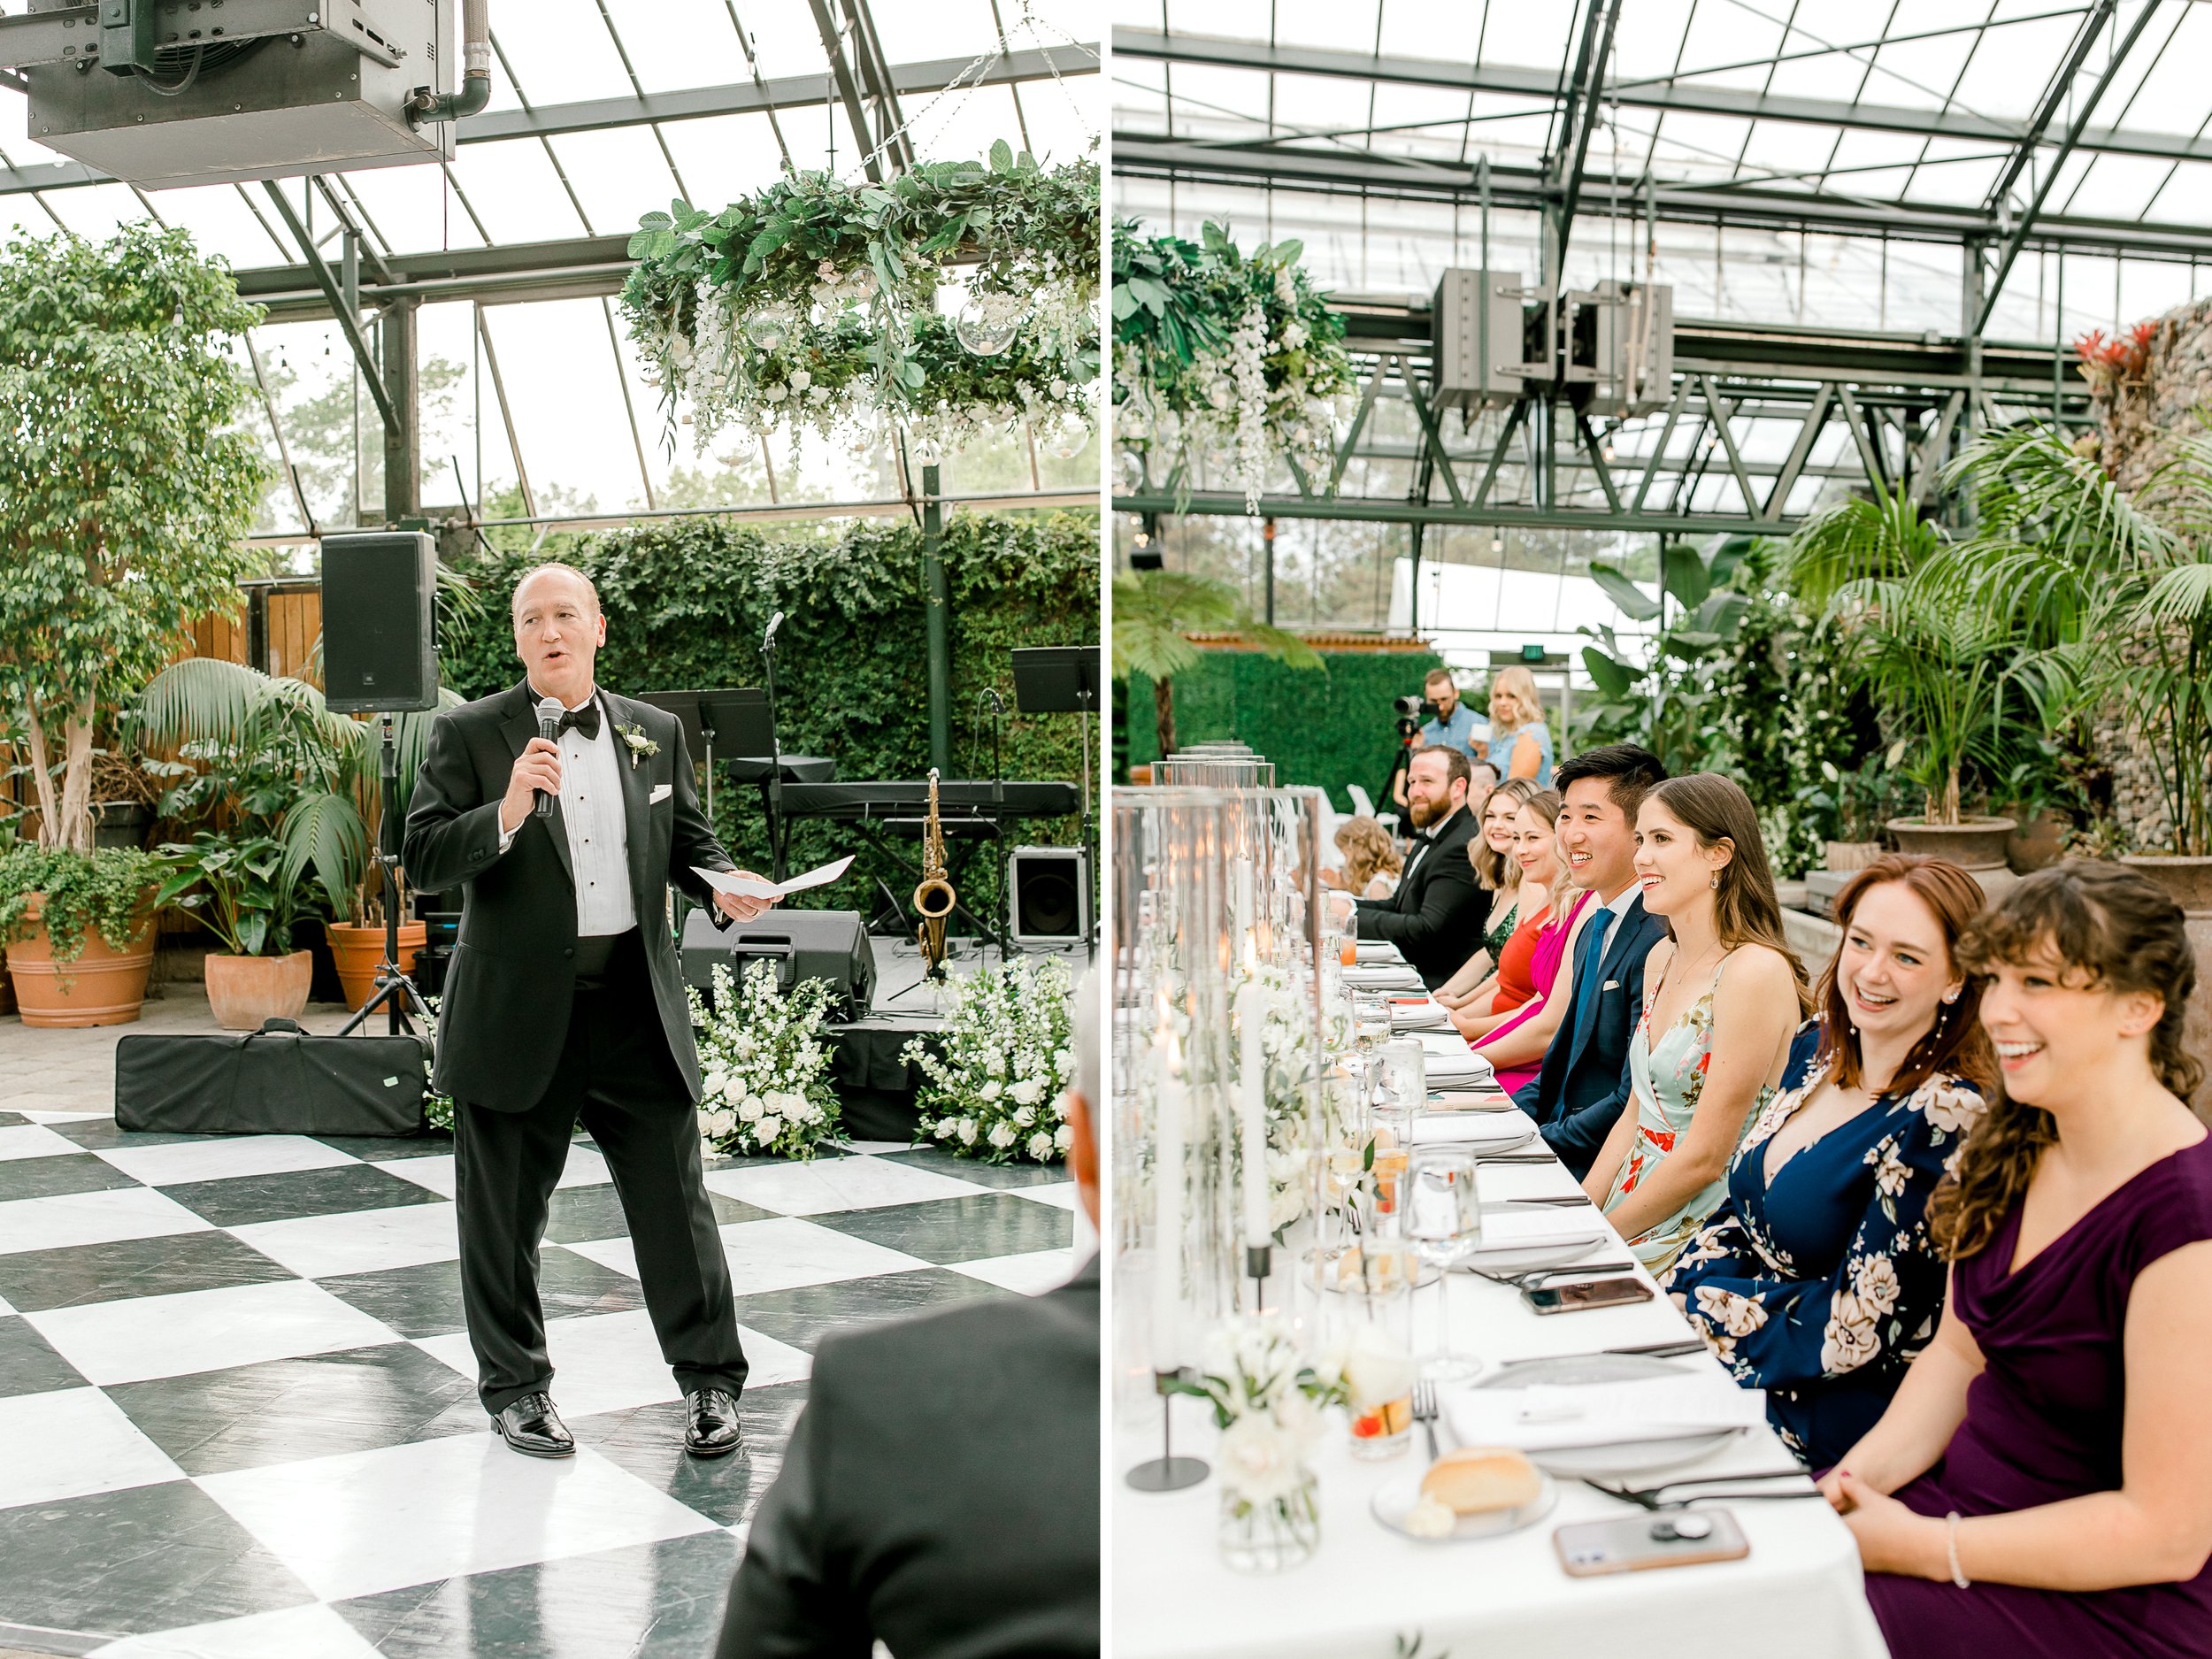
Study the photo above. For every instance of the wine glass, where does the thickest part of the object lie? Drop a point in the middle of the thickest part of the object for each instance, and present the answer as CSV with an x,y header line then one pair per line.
x,y
1443,1218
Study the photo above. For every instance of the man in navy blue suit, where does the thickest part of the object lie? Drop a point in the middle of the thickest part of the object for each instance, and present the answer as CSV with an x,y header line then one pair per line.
x,y
1578,1095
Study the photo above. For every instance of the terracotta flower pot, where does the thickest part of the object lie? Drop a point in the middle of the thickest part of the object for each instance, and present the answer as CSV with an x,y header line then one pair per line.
x,y
1977,846
2188,882
244,991
2038,841
357,950
104,986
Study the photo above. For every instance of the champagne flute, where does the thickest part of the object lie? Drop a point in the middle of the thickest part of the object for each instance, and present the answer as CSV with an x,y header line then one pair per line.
x,y
1443,1218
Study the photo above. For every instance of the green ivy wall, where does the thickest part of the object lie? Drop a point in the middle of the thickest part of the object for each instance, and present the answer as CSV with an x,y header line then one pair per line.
x,y
1327,729
685,604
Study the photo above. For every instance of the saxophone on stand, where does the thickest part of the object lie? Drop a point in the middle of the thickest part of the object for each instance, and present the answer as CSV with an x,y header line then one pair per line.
x,y
934,898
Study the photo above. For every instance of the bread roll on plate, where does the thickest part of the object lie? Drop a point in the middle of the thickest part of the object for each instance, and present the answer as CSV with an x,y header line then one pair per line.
x,y
1478,1479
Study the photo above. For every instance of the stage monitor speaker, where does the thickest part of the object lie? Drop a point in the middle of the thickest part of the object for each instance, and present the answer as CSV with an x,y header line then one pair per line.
x,y
830,945
380,651
1050,889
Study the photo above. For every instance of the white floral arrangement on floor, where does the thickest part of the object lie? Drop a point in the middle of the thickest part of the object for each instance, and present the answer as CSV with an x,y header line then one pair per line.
x,y
437,1109
764,1059
996,1091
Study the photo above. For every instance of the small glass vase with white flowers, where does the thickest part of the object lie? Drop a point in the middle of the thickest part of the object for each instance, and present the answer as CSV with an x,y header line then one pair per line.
x,y
1267,1400
764,1060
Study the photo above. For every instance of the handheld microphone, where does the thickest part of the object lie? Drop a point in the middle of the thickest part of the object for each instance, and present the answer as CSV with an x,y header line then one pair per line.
x,y
549,713
768,640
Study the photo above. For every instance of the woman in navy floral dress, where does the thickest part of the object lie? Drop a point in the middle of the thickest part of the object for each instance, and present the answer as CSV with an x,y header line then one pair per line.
x,y
1816,1279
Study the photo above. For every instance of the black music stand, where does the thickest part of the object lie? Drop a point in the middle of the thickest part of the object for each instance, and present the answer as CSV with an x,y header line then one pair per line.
x,y
1061,679
697,743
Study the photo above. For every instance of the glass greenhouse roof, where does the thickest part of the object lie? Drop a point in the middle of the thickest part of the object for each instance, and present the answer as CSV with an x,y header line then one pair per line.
x,y
565,364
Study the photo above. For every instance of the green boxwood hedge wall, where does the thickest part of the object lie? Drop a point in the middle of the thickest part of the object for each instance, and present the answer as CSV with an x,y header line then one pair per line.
x,y
1329,729
686,603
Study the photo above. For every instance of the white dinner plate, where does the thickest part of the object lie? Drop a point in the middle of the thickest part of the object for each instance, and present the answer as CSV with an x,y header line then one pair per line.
x,y
1627,1457
1399,1493
1481,1132
1514,1258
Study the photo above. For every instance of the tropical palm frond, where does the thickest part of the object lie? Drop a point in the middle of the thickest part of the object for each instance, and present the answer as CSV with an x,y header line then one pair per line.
x,y
323,833
201,699
1881,537
2180,595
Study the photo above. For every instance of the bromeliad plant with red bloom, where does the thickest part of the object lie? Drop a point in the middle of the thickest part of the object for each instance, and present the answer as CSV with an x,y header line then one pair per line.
x,y
2118,361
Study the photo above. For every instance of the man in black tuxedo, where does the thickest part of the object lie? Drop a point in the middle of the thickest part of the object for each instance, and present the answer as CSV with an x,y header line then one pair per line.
x,y
940,1494
564,999
1437,915
1584,1084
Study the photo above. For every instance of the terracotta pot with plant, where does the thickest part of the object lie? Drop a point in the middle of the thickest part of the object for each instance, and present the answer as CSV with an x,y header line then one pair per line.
x,y
263,751
237,886
79,929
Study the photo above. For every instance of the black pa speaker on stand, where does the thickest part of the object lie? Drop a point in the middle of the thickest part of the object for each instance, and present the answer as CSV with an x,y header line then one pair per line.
x,y
830,945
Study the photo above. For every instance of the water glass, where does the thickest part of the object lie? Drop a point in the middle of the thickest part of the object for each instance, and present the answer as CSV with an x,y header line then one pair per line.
x,y
1442,1215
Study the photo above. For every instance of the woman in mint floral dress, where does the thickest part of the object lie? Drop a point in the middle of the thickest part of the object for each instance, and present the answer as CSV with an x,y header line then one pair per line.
x,y
1724,995
1816,1279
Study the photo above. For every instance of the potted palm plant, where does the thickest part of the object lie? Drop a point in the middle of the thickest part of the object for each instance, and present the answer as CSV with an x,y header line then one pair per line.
x,y
263,751
1943,672
2120,584
131,488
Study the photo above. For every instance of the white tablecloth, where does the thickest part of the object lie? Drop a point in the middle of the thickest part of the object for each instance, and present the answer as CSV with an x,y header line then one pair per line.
x,y
1798,1593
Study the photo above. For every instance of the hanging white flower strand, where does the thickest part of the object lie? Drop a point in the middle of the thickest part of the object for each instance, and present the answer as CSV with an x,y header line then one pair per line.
x,y
1248,368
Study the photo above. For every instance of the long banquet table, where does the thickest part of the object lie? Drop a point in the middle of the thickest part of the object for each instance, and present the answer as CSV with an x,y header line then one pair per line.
x,y
1368,1591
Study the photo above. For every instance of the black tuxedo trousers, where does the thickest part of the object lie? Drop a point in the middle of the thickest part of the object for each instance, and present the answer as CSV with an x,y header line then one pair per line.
x,y
616,1077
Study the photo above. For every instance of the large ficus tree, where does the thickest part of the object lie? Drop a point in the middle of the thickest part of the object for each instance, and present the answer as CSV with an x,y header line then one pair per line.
x,y
126,487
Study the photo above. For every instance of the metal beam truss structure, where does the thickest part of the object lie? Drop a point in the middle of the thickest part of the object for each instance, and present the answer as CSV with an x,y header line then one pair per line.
x,y
1751,420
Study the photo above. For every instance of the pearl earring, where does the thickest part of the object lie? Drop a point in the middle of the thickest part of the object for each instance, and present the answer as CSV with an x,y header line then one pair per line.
x,y
1714,882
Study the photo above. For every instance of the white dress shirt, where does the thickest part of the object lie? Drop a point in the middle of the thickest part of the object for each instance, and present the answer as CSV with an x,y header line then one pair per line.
x,y
1610,912
598,834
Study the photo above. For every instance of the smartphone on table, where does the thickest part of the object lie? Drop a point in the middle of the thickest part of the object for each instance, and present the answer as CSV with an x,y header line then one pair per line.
x,y
1678,1537
1586,1292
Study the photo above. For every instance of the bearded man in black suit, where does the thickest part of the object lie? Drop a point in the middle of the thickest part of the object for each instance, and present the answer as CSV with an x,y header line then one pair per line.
x,y
565,1003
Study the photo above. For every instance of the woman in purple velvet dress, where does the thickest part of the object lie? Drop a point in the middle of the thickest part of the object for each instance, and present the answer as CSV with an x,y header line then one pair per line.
x,y
2041,1486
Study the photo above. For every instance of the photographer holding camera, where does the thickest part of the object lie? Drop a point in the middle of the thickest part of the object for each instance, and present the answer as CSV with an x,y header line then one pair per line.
x,y
1454,724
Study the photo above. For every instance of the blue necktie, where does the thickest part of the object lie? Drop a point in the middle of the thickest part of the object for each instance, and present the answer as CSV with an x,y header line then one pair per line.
x,y
1586,982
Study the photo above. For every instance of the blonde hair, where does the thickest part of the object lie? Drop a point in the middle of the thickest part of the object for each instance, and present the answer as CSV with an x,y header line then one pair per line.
x,y
1519,687
1493,869
1368,850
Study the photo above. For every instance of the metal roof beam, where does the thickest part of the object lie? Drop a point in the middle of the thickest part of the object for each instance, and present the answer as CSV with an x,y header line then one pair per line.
x,y
1563,169
2046,110
2018,239
1542,86
1353,173
592,115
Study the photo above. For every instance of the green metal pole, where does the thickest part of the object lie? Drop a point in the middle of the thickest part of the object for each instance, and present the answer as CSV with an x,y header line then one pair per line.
x,y
939,629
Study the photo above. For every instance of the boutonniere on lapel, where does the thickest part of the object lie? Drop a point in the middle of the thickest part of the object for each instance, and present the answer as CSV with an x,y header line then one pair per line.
x,y
640,746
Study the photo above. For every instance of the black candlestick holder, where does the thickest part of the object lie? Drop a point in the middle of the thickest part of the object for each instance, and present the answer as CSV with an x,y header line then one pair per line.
x,y
1167,1472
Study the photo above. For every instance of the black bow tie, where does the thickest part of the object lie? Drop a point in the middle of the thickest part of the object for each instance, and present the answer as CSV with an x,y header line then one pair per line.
x,y
585,719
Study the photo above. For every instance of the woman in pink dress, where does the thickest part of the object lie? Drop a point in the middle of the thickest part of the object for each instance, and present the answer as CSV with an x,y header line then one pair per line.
x,y
1514,1041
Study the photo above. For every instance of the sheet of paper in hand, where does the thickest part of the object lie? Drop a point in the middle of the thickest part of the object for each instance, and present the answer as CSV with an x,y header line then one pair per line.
x,y
754,887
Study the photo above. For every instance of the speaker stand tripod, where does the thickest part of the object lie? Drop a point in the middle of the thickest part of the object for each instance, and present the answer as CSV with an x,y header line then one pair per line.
x,y
395,991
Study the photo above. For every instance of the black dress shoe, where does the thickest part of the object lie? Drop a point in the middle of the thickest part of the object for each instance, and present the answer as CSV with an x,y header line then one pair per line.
x,y
533,1427
712,1430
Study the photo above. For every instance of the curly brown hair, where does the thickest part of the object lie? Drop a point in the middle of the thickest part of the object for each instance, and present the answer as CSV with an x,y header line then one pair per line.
x,y
1955,1045
2112,929
1367,849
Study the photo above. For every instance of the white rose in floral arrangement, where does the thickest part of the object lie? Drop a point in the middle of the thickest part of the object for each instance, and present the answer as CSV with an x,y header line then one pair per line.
x,y
729,1088
1064,1137
992,1090
749,1110
1258,1461
1028,1091
801,379
767,1129
1040,1147
1001,1135
967,1132
716,1083
1025,1118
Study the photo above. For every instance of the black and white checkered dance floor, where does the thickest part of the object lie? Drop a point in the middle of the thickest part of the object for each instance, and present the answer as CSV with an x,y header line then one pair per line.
x,y
238,1417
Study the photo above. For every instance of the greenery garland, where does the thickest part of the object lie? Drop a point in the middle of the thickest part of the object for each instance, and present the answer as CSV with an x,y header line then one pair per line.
x,y
815,300
1219,351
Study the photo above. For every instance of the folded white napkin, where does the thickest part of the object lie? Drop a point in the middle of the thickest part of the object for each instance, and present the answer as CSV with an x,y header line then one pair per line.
x,y
1541,1226
1375,951
1453,1129
1383,977
1423,1014
1549,1417
1477,1099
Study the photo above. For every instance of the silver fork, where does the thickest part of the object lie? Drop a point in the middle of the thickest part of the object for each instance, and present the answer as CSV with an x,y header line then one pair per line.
x,y
1425,1413
1521,1280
